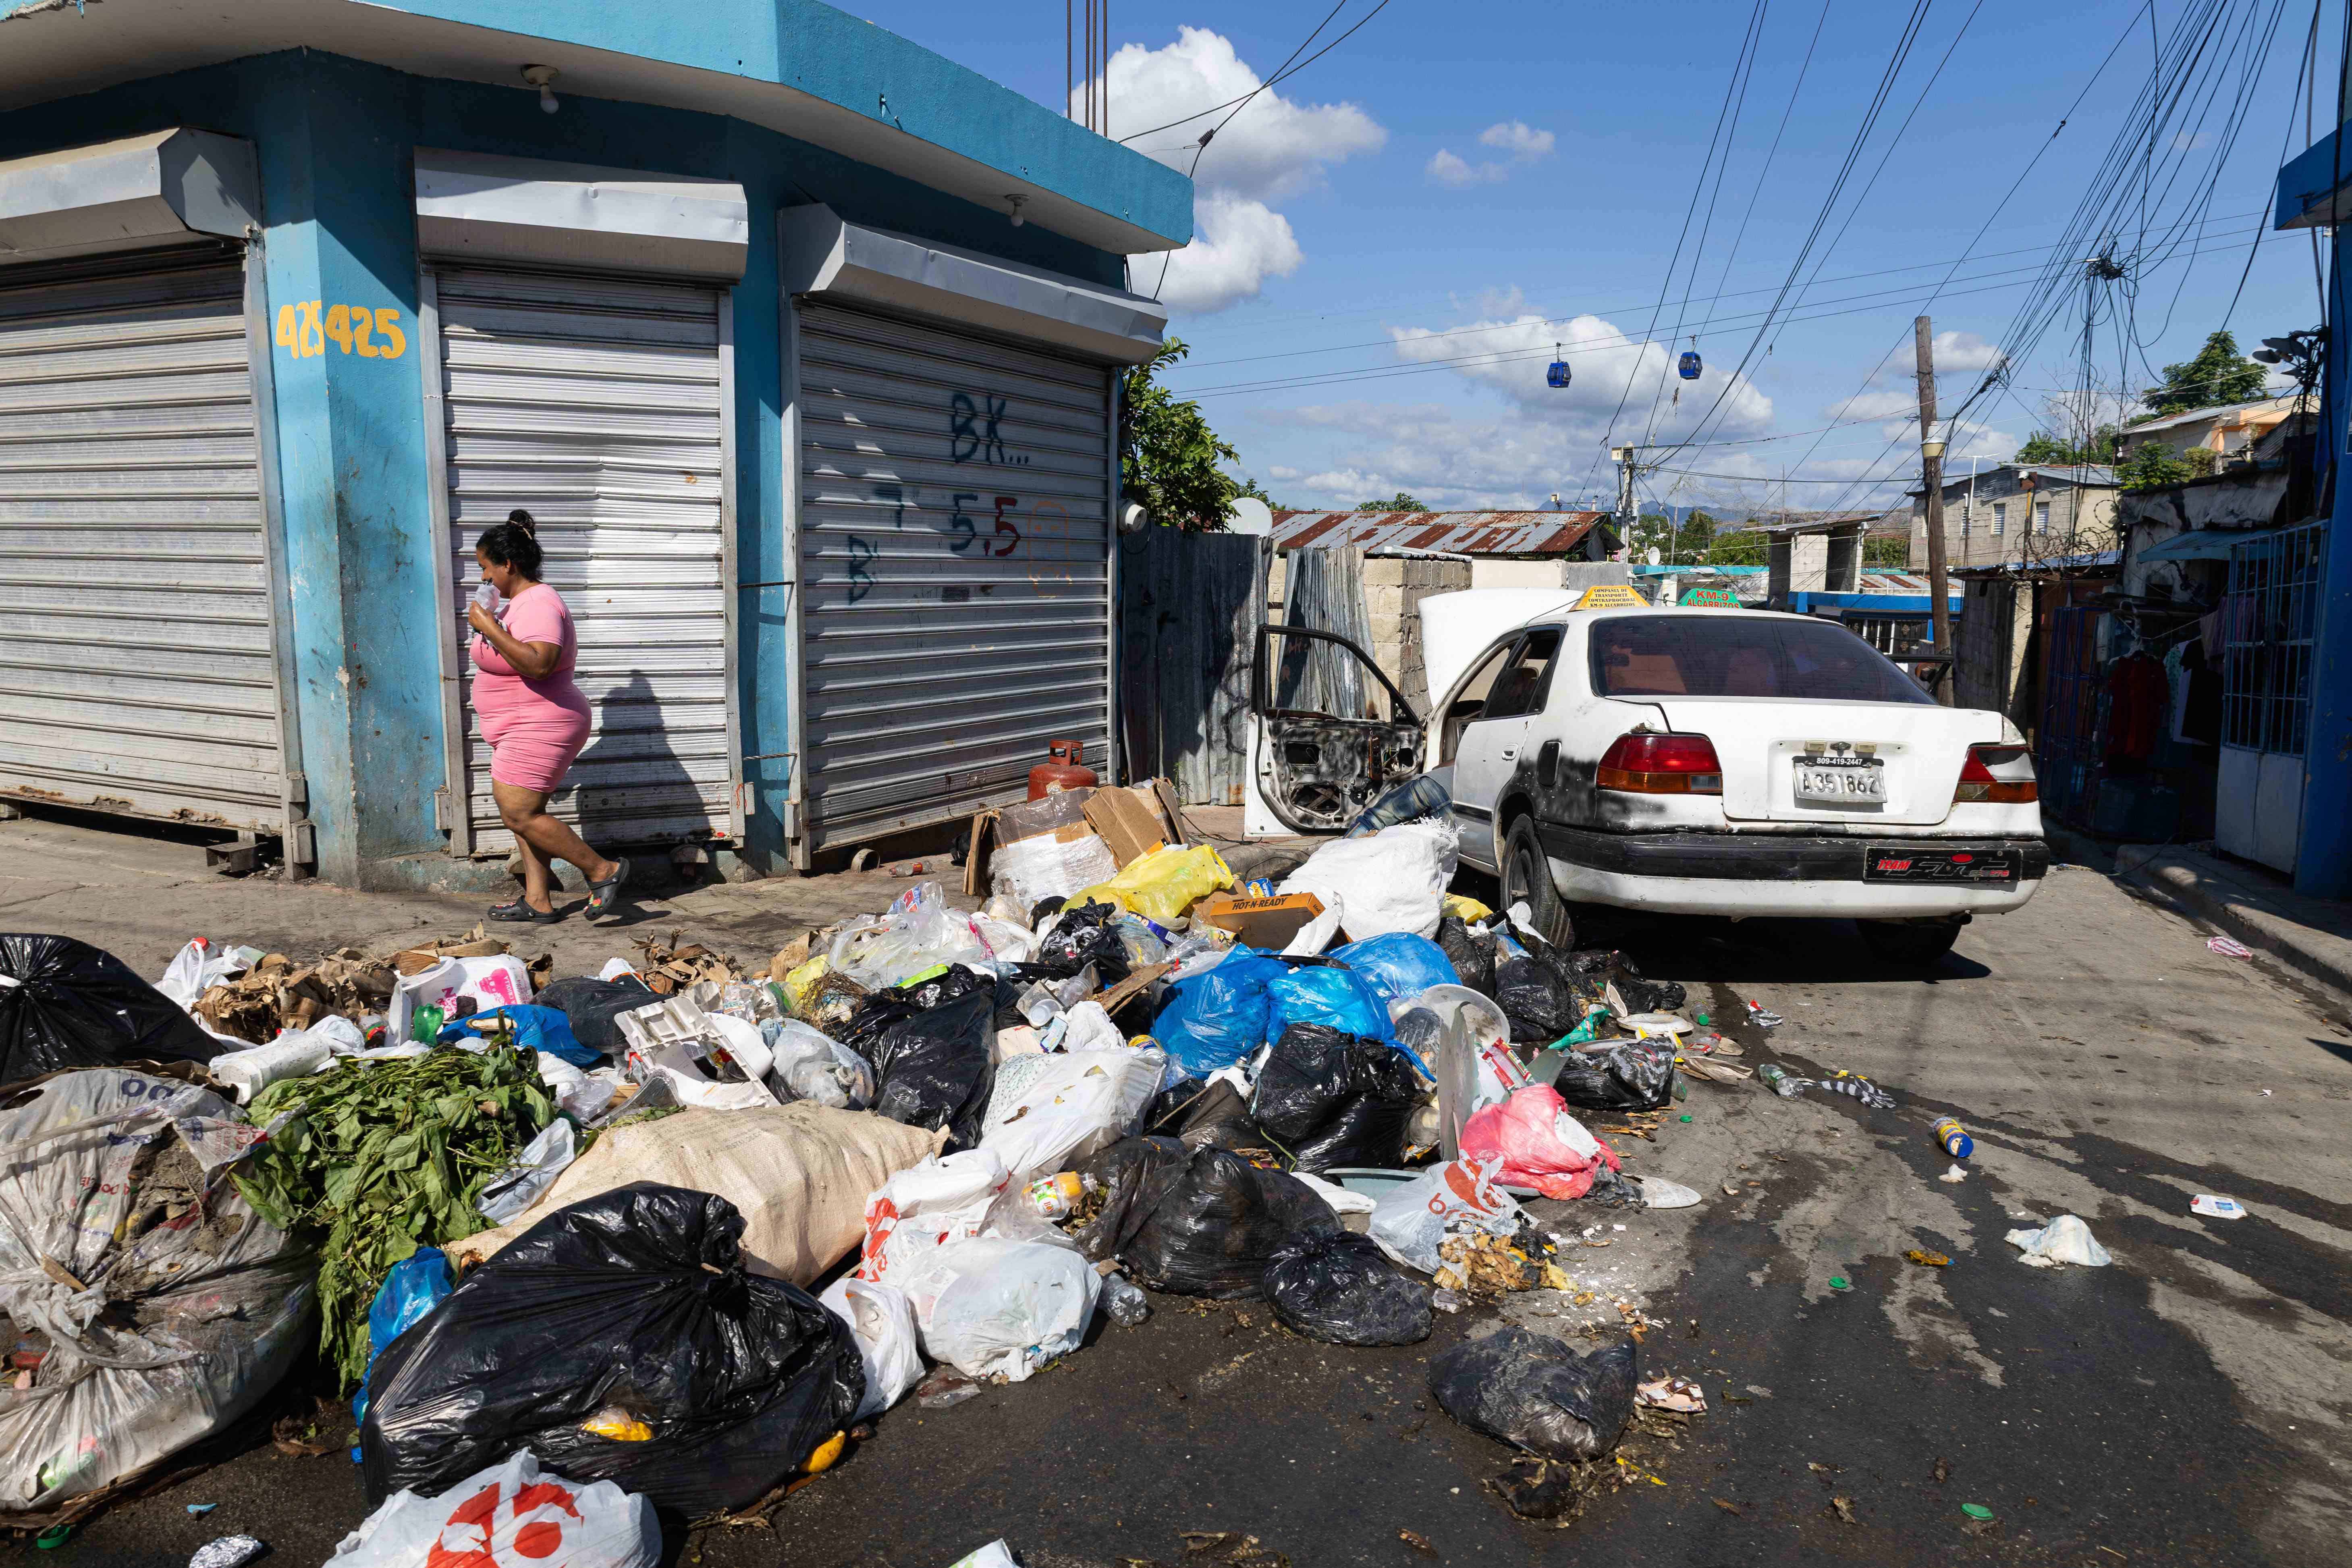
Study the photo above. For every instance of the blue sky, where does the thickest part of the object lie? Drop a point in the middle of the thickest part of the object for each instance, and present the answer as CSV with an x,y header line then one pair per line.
x,y
1390,242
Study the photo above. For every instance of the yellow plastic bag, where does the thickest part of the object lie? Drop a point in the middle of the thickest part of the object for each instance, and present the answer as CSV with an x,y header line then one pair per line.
x,y
1468,911
797,983
1163,884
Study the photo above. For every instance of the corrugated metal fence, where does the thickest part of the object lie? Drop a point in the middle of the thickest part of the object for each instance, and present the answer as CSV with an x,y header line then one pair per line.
x,y
1189,607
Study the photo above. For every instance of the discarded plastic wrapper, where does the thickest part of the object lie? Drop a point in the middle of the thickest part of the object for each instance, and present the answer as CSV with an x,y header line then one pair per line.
x,y
512,1512
1411,1220
991,1308
2214,1207
882,1320
995,1555
2065,1239
1050,1111
1537,1143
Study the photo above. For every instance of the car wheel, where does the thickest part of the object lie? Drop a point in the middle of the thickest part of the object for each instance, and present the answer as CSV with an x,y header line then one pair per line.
x,y
1526,875
1911,944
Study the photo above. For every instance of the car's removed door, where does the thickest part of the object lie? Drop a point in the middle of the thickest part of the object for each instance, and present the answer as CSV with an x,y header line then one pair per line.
x,y
1334,732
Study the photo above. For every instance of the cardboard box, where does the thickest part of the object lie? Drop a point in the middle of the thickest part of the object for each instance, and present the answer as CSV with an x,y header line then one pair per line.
x,y
1130,821
987,833
1028,819
1266,923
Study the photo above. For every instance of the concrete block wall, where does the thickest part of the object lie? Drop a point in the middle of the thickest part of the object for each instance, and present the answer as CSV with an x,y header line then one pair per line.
x,y
1394,590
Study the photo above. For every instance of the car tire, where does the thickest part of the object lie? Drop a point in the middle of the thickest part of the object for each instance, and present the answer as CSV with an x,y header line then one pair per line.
x,y
1526,874
1909,944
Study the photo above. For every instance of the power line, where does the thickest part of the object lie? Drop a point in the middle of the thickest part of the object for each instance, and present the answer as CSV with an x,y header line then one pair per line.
x,y
1285,70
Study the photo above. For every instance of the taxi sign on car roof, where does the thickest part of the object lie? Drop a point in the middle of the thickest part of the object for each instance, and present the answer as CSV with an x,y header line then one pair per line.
x,y
1610,596
1718,598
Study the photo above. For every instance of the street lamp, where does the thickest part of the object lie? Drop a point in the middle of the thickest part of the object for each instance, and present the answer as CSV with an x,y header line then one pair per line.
x,y
1932,449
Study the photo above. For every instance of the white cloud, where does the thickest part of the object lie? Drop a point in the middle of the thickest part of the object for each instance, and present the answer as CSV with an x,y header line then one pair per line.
x,y
1449,168
1274,148
1519,139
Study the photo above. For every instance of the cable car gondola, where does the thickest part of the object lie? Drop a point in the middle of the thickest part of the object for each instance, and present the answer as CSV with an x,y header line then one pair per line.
x,y
1559,375
1690,365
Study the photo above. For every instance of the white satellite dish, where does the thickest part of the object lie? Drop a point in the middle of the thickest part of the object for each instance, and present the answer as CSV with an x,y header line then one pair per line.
x,y
1247,514
1653,555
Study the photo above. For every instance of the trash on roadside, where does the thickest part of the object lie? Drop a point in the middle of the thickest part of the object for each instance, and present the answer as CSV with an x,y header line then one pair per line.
x,y
1537,1143
529,1173
1976,1510
1628,1075
930,1046
1533,1391
1398,965
65,1004
1481,1263
1675,1394
1959,1173
1339,1288
1412,1221
935,1203
227,1551
882,1320
805,1063
2065,1239
740,1376
796,1176
1163,884
1394,880
157,1306
1335,998
593,1007
1657,1192
1954,1139
1926,1260
508,1513
1003,1309
417,1284
1763,1017
1859,1088
995,1555
2215,1207
945,1388
2228,949
1203,1221
710,1060
1213,1020
1047,1112
669,968
1328,1098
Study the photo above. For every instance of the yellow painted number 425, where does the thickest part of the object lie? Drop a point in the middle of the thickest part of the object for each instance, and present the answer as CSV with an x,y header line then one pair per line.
x,y
354,329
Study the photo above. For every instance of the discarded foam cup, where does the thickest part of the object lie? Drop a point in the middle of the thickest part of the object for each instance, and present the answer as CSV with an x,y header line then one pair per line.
x,y
2214,1207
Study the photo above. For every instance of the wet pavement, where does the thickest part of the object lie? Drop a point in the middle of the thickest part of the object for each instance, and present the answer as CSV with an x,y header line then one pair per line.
x,y
2186,1406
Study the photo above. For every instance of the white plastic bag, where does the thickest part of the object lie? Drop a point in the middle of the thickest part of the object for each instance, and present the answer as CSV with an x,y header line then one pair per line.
x,y
811,1065
943,1200
995,1555
1090,1029
496,980
513,1513
1009,1307
882,1320
1029,870
919,932
2065,1239
295,1052
196,968
1410,1222
1317,934
1393,880
1047,1112
532,1171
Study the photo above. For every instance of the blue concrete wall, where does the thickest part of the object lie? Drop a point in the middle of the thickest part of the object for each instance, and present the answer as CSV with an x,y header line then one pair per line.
x,y
334,138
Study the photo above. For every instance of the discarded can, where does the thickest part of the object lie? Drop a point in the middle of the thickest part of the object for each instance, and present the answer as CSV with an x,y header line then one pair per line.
x,y
1779,1080
1956,1141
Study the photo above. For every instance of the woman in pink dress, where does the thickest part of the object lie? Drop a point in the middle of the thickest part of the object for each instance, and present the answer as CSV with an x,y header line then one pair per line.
x,y
535,718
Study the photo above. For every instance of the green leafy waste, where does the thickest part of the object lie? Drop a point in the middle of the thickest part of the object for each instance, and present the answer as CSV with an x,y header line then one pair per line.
x,y
376,1161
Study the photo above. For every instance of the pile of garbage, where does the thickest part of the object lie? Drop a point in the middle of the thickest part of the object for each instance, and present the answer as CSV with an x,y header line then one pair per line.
x,y
659,1239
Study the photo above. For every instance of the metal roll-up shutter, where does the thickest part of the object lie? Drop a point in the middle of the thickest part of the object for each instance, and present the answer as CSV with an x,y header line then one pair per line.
x,y
137,649
955,562
599,405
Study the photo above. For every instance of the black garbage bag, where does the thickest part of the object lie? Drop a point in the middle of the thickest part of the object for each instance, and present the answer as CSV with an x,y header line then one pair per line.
x,y
65,1004
1331,1098
1538,1003
1531,1390
1204,1116
632,1303
1632,1075
1197,1223
592,1006
1644,995
1086,935
931,1064
1473,956
1339,1286
1133,1174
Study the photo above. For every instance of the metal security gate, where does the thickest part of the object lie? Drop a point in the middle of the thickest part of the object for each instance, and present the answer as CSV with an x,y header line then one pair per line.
x,y
2067,746
602,406
2270,625
138,643
955,567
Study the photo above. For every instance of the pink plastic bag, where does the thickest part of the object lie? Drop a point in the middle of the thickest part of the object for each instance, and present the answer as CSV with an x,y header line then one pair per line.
x,y
1539,1144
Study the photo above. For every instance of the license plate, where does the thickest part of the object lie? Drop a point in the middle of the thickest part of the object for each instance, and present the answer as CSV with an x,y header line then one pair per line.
x,y
1841,782
1887,864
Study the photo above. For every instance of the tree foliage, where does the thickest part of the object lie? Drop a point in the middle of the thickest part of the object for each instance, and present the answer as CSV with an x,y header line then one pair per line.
x,y
1397,502
2152,465
1169,459
2218,374
2057,452
1886,550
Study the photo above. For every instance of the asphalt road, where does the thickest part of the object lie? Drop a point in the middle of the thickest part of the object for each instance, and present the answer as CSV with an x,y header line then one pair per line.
x,y
2186,1406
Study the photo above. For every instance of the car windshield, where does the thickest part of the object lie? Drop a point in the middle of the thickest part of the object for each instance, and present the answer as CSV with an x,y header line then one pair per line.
x,y
1694,654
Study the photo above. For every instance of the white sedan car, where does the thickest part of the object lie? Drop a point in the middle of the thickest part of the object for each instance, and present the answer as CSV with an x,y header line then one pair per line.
x,y
1736,762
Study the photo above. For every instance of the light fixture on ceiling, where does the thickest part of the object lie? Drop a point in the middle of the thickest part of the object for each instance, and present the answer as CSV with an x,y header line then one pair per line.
x,y
542,78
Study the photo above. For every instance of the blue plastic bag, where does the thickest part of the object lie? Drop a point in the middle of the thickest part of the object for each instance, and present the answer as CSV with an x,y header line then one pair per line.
x,y
1337,999
535,1028
417,1284
1397,965
1213,1020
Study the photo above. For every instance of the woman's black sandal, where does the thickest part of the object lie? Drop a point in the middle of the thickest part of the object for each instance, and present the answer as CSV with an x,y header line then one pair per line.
x,y
604,897
521,912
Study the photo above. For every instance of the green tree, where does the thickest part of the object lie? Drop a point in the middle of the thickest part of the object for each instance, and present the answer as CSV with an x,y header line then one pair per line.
x,y
2057,452
1694,538
1886,550
1397,502
1170,461
1256,492
2218,374
1742,547
2152,466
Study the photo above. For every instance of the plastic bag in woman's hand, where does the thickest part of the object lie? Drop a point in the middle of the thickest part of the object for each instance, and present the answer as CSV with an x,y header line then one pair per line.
x,y
1532,1391
1337,1287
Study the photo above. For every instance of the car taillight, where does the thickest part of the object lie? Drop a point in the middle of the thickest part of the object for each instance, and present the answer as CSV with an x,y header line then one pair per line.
x,y
1662,764
1998,775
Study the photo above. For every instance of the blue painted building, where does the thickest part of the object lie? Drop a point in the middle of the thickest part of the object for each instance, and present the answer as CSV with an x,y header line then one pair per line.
x,y
800,342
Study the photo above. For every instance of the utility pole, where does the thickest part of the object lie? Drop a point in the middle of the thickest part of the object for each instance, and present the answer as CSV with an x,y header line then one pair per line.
x,y
1931,473
1627,511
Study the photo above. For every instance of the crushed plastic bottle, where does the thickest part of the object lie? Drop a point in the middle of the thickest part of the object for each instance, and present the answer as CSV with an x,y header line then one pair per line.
x,y
1779,1080
1123,1301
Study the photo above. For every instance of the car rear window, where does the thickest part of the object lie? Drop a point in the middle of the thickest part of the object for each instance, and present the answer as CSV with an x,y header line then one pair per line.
x,y
1694,654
